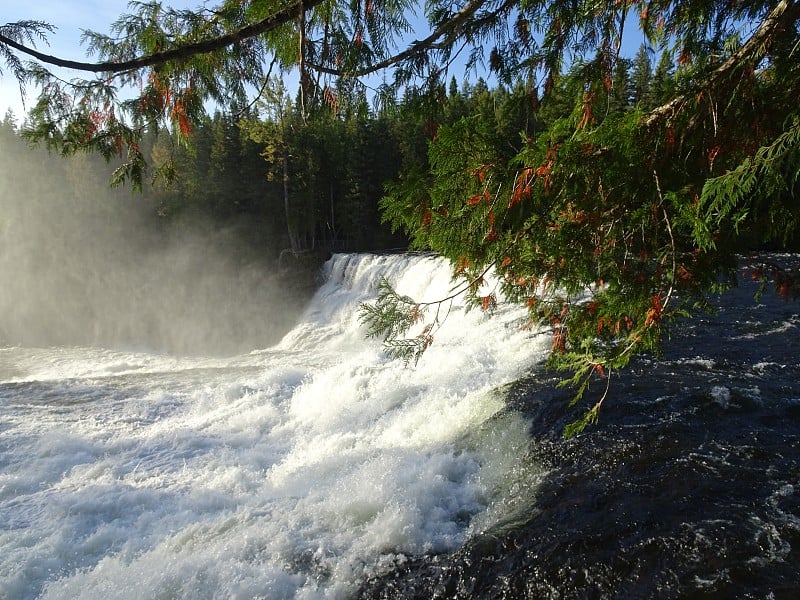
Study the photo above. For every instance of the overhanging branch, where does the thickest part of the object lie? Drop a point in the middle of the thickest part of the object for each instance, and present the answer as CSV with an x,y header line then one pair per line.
x,y
275,20
753,49
417,47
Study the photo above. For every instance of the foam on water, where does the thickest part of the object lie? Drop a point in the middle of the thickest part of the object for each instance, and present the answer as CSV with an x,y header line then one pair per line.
x,y
292,472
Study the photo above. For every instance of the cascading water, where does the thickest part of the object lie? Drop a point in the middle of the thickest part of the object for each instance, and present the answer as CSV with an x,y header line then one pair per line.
x,y
319,468
299,471
688,487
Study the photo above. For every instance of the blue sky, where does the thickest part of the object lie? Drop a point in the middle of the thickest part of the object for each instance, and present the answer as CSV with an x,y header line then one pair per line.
x,y
71,17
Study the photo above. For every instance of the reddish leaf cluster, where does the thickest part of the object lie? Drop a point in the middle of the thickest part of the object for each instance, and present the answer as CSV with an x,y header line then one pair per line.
x,y
786,286
476,199
425,337
544,170
179,114
587,117
488,302
491,235
463,264
522,187
655,312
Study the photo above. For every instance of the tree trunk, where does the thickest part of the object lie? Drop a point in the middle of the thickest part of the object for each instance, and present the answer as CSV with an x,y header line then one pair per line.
x,y
292,236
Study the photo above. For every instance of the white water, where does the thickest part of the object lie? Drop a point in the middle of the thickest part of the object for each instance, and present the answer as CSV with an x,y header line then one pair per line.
x,y
290,472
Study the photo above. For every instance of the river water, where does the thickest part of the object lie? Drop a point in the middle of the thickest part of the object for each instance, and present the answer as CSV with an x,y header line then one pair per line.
x,y
297,471
689,487
320,468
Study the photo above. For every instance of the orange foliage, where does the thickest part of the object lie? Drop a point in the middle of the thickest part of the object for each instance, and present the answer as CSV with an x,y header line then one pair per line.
x,y
522,187
599,369
587,117
655,312
488,302
559,341
491,235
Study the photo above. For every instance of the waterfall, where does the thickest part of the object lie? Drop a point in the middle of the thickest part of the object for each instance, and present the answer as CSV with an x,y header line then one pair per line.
x,y
299,470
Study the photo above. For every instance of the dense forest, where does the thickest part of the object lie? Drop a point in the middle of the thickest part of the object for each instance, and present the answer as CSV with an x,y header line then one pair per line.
x,y
315,182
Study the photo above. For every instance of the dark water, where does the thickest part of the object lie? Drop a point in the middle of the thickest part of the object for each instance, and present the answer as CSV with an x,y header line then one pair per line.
x,y
689,487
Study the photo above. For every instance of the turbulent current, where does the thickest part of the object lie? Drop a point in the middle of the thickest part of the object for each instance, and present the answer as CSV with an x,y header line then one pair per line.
x,y
301,470
320,468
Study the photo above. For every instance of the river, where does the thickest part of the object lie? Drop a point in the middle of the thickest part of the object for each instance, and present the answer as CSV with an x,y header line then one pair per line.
x,y
320,468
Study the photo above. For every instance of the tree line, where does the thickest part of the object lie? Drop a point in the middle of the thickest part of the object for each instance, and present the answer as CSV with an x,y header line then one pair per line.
x,y
316,181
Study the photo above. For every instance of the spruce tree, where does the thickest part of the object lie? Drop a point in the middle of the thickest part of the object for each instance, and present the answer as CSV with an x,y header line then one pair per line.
x,y
621,95
641,76
662,85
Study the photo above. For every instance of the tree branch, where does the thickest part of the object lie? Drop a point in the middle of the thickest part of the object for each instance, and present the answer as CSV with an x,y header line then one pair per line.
x,y
275,20
429,42
753,48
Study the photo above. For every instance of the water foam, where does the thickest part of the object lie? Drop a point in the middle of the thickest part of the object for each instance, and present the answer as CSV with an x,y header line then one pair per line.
x,y
292,472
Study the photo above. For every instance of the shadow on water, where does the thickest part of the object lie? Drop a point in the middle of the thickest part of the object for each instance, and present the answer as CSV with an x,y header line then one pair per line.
x,y
688,487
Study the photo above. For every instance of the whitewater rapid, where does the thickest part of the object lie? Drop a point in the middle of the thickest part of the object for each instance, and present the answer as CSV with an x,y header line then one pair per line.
x,y
297,471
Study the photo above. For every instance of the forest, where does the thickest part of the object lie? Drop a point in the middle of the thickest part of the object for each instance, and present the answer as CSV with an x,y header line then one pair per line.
x,y
341,159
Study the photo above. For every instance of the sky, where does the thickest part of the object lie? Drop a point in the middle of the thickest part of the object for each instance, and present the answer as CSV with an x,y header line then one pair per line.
x,y
70,17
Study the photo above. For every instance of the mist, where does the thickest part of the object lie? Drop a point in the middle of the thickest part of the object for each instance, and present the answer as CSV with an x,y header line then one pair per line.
x,y
84,264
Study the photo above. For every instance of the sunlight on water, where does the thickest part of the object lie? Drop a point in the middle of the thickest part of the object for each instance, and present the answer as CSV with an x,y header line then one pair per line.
x,y
295,471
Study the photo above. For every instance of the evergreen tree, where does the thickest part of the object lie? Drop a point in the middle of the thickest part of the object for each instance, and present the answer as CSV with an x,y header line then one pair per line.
x,y
641,76
662,85
621,95
223,181
456,104
9,122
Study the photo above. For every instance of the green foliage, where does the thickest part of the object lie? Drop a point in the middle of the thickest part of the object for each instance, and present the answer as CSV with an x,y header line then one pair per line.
x,y
390,317
762,188
608,222
23,32
590,417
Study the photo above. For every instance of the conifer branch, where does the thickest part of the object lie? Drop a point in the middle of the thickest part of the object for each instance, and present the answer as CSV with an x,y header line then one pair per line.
x,y
673,248
393,314
418,47
752,50
275,20
591,416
